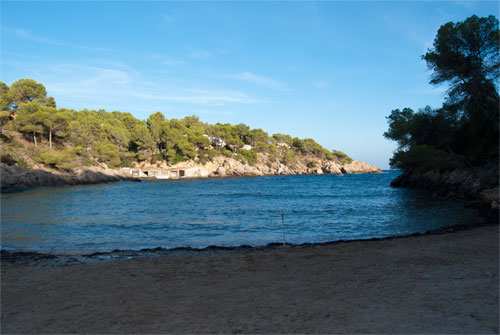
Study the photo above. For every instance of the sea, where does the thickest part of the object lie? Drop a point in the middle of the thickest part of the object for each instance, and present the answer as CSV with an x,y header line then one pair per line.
x,y
197,213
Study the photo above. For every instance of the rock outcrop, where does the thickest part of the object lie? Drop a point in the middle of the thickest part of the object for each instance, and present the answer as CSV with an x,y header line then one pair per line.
x,y
15,178
228,166
478,187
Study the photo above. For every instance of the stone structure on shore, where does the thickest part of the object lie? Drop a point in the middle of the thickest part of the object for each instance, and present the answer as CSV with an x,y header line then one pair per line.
x,y
228,167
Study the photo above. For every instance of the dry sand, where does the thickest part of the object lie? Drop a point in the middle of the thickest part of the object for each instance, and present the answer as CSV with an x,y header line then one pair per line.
x,y
444,283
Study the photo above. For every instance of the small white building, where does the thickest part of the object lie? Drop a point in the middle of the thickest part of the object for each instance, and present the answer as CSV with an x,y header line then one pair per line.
x,y
216,141
193,172
247,147
283,144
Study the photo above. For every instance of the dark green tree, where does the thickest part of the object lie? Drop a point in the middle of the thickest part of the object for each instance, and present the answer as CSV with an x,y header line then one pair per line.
x,y
156,125
28,90
465,131
465,55
30,119
5,98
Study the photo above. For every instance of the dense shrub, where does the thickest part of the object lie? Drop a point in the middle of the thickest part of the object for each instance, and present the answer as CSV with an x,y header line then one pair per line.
x,y
311,164
342,157
107,153
118,138
423,158
8,159
249,155
62,159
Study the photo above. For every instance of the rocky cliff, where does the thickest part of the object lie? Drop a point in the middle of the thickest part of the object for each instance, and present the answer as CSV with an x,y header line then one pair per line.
x,y
478,187
228,166
16,178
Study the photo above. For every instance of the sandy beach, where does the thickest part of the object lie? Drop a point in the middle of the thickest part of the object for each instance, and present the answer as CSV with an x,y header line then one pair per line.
x,y
444,283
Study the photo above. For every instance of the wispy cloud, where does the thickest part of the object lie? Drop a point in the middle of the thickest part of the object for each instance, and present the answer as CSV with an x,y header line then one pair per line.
x,y
24,34
167,60
320,84
166,18
200,54
123,88
202,97
404,23
260,80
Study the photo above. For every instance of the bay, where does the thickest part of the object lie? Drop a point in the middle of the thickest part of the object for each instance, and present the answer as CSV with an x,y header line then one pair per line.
x,y
224,212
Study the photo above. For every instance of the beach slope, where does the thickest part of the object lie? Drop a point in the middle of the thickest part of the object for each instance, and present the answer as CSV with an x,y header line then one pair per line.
x,y
444,283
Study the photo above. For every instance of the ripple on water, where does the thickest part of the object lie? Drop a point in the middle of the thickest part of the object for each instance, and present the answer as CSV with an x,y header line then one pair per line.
x,y
225,212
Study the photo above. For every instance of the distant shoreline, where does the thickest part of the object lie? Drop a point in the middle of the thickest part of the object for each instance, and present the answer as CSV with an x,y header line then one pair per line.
x,y
14,178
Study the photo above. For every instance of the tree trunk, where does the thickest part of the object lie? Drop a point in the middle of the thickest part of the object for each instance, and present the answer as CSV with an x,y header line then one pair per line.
x,y
34,138
50,139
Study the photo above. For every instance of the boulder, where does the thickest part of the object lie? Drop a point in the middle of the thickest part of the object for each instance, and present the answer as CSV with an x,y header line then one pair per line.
x,y
221,171
359,167
490,197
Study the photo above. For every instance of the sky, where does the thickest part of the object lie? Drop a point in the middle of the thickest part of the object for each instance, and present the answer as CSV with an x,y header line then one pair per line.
x,y
327,70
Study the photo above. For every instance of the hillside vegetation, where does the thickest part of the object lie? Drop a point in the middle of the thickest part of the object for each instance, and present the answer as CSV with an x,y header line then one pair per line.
x,y
464,132
454,150
35,132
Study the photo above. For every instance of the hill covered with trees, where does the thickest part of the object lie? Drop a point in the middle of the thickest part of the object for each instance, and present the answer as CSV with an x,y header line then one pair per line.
x,y
35,133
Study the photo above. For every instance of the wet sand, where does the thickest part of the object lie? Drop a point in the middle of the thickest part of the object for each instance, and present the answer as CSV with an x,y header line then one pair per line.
x,y
445,283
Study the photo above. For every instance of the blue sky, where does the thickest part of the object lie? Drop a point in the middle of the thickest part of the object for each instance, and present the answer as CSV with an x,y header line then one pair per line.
x,y
328,70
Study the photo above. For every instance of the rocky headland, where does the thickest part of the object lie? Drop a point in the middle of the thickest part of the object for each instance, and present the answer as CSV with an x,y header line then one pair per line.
x,y
13,178
477,187
230,167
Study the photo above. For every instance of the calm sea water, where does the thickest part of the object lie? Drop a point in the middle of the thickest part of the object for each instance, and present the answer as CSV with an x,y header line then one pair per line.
x,y
224,212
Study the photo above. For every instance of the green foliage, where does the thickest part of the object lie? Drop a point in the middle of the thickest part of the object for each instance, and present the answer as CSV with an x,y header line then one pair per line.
x,y
4,117
64,159
309,146
273,155
258,139
127,160
156,126
249,155
30,119
5,98
466,56
107,153
22,164
119,139
11,156
288,158
179,158
226,152
342,156
7,158
205,156
280,138
465,131
26,91
311,164
186,148
423,158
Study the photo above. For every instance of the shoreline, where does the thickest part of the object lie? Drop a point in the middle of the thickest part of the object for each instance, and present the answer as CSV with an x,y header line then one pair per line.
x,y
71,258
17,179
436,283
